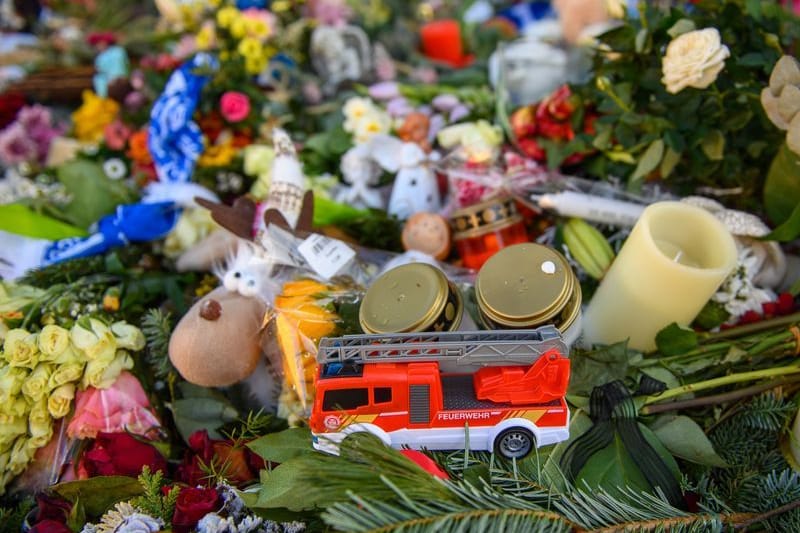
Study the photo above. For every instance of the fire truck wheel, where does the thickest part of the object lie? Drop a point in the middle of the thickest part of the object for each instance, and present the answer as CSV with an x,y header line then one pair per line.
x,y
514,443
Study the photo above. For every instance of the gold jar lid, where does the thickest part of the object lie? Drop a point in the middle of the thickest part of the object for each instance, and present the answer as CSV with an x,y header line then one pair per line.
x,y
526,285
484,217
413,297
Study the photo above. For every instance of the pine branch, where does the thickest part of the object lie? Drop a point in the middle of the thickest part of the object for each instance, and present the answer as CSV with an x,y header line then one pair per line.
x,y
157,328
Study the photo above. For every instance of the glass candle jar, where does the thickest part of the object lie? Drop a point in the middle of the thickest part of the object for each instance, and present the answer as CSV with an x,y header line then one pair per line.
x,y
481,230
526,286
410,298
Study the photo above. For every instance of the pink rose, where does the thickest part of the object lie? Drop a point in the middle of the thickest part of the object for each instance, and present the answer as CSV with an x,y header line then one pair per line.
x,y
123,407
234,106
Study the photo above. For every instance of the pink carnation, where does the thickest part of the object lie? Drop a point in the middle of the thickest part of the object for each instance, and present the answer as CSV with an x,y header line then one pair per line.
x,y
234,106
16,146
123,407
116,135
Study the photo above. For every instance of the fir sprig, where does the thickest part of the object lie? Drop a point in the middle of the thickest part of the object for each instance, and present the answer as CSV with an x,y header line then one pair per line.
x,y
157,328
154,502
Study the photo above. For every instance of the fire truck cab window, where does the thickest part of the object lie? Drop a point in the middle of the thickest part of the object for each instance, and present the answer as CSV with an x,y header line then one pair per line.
x,y
383,394
345,399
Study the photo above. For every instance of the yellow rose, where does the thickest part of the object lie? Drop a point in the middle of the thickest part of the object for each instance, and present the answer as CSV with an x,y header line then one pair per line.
x,y
35,385
60,400
20,348
53,341
193,225
258,159
12,427
70,356
226,16
693,59
94,339
38,412
15,406
128,337
66,373
102,375
20,456
93,116
11,380
40,431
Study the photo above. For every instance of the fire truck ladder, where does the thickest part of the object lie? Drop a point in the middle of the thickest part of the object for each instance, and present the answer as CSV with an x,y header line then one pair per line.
x,y
454,351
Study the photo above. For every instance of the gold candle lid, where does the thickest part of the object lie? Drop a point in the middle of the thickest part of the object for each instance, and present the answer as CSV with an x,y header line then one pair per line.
x,y
478,219
405,299
524,285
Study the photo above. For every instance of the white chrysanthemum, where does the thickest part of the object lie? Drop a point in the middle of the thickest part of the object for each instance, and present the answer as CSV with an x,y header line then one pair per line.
x,y
694,59
738,294
115,169
125,518
214,523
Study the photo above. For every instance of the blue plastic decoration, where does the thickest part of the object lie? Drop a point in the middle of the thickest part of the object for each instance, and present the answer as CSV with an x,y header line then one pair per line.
x,y
175,141
110,64
251,4
130,223
527,13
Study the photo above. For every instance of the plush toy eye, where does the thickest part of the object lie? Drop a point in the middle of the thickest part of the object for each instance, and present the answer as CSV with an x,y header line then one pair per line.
x,y
251,283
237,275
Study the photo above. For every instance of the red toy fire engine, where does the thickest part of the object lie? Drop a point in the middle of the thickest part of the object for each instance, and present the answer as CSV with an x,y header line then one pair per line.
x,y
496,390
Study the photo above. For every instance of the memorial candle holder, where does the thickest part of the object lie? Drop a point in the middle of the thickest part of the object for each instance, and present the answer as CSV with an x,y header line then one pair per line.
x,y
674,260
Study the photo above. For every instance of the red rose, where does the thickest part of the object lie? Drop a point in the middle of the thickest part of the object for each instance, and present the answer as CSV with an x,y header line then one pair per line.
x,y
557,131
192,505
51,507
119,454
234,459
532,149
523,122
557,105
10,104
234,106
50,526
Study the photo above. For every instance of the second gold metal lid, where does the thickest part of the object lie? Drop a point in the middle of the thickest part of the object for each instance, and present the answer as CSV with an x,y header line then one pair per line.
x,y
524,285
405,299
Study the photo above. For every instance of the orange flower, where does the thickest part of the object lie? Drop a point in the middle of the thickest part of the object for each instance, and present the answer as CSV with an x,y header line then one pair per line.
x,y
137,148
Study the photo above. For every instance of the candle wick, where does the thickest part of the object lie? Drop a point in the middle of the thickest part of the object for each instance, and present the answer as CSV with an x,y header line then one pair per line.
x,y
678,256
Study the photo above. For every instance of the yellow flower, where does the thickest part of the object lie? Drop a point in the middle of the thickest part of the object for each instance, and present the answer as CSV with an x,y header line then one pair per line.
x,y
93,116
20,348
16,406
40,431
60,400
238,28
11,380
128,337
38,412
226,16
218,155
193,225
256,27
94,339
206,38
66,373
70,355
36,385
255,65
102,375
12,427
250,48
21,456
372,124
53,341
355,109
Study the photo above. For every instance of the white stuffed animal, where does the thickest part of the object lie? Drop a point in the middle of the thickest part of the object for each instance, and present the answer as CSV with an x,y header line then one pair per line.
x,y
361,172
415,187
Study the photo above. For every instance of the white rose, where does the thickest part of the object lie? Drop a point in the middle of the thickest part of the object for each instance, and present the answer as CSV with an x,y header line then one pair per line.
x,y
694,59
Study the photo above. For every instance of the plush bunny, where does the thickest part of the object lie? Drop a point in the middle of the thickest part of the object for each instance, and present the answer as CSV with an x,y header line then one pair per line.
x,y
415,187
360,171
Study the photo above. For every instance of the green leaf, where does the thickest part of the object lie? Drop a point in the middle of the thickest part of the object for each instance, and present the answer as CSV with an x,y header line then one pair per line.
x,y
22,220
712,315
98,494
671,159
281,446
782,188
649,160
641,41
193,414
680,27
684,438
77,517
676,340
788,231
598,367
713,145
93,194
603,139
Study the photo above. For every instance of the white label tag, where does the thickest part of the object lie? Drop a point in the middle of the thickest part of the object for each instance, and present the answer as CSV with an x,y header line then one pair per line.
x,y
326,256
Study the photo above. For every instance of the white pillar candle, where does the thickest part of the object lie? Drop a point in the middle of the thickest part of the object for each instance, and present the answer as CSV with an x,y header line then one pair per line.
x,y
675,258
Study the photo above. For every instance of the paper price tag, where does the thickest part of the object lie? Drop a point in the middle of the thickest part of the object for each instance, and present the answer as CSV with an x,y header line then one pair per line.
x,y
326,256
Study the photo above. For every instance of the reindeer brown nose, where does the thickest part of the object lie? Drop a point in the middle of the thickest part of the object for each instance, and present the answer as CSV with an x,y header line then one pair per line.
x,y
210,310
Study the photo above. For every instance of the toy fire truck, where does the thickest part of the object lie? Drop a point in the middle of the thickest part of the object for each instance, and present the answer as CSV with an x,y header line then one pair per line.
x,y
496,390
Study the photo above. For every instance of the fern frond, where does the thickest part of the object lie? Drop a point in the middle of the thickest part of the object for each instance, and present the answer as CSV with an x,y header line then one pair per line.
x,y
157,328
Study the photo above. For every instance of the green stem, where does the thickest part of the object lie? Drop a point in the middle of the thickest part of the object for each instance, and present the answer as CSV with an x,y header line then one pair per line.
x,y
755,327
721,381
